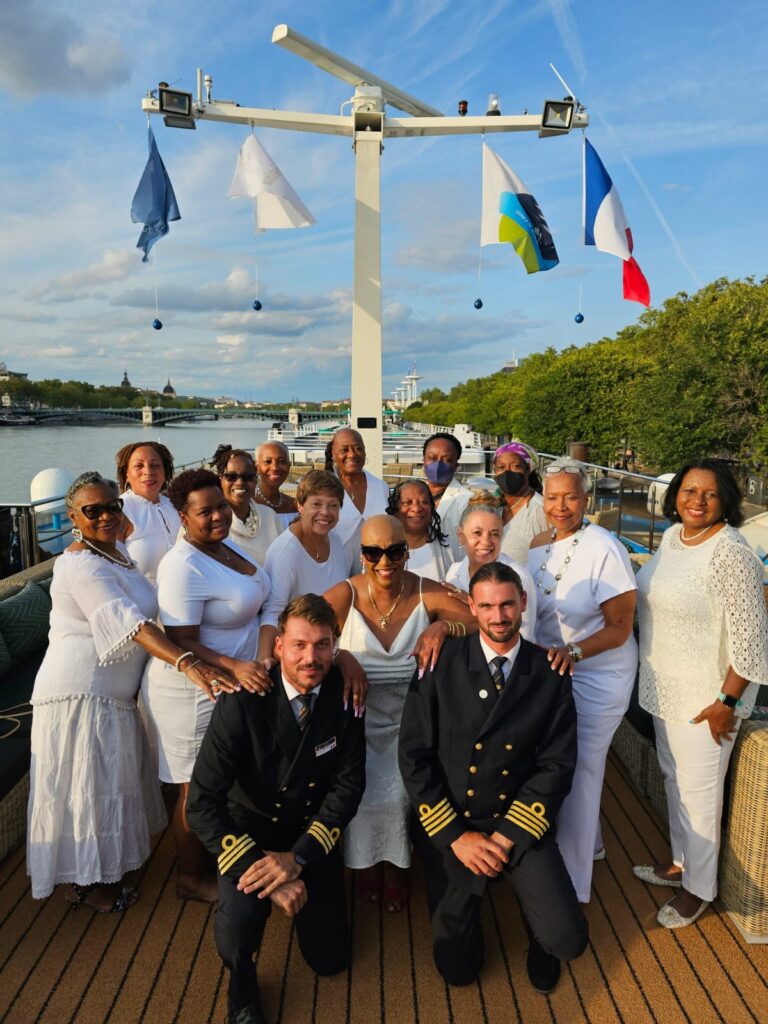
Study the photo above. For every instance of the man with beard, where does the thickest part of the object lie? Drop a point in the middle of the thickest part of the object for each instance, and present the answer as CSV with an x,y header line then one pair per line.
x,y
274,785
487,754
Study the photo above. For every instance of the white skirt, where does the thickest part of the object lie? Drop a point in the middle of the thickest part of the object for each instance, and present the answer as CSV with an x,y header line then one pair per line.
x,y
177,714
94,800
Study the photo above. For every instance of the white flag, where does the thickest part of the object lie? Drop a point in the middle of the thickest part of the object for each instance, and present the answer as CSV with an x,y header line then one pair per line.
x,y
257,176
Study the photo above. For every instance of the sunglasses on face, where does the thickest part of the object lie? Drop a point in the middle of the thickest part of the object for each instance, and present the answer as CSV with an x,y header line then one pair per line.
x,y
395,552
112,508
232,477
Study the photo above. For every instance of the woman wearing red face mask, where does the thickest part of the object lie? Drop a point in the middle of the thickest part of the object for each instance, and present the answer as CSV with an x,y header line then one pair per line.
x,y
515,471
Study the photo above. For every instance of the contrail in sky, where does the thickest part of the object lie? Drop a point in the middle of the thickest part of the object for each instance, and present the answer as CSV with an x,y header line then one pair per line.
x,y
569,35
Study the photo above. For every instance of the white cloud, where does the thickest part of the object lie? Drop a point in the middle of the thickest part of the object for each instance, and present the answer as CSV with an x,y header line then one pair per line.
x,y
114,265
43,50
59,352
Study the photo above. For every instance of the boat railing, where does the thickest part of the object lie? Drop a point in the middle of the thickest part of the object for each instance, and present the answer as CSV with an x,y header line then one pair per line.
x,y
31,532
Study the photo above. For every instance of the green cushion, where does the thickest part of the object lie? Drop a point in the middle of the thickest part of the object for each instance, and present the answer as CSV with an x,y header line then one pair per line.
x,y
5,656
45,584
24,620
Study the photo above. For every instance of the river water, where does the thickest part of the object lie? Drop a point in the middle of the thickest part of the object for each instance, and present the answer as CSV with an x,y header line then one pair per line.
x,y
24,451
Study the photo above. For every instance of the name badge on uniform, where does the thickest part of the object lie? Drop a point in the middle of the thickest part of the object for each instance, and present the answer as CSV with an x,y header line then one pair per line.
x,y
325,747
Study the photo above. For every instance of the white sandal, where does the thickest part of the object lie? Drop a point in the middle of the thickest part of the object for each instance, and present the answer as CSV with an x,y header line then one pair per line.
x,y
668,917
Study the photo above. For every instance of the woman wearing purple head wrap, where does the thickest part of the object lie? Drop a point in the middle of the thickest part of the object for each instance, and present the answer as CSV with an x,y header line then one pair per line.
x,y
514,469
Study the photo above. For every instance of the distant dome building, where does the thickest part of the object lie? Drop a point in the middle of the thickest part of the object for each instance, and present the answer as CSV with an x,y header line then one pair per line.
x,y
125,383
168,390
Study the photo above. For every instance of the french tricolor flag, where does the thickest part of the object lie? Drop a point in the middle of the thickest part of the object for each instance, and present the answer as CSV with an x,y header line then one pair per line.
x,y
605,224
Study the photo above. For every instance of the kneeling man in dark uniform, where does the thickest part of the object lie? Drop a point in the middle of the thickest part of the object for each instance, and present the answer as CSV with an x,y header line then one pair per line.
x,y
276,781
487,753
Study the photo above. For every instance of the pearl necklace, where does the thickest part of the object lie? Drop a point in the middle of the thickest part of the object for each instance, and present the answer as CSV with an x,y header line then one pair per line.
x,y
698,536
130,564
384,617
566,561
265,499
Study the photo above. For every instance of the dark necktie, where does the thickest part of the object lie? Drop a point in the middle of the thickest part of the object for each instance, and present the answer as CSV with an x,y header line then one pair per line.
x,y
498,664
305,710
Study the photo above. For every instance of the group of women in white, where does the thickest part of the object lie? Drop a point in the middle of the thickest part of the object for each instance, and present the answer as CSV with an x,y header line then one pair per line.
x,y
173,590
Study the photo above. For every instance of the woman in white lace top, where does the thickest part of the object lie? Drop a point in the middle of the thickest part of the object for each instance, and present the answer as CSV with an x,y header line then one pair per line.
x,y
703,652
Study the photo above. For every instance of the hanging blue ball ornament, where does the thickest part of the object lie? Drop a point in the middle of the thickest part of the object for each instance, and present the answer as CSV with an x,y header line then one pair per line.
x,y
478,303
157,324
256,305
579,318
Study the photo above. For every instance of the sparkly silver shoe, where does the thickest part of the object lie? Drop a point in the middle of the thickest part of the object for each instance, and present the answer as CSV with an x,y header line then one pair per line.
x,y
599,854
646,874
668,917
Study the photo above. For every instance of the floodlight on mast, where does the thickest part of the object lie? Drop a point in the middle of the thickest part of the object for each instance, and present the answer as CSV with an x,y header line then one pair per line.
x,y
368,126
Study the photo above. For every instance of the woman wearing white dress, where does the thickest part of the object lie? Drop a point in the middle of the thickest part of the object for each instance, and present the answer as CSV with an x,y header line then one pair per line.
x,y
383,614
366,494
479,534
151,523
309,556
273,463
94,800
441,454
515,471
703,635
254,526
429,553
586,602
210,594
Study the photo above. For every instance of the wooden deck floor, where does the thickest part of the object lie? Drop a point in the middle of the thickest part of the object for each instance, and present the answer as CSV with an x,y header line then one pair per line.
x,y
157,963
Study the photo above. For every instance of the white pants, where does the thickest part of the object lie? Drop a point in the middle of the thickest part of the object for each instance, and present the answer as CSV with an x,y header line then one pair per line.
x,y
694,768
578,824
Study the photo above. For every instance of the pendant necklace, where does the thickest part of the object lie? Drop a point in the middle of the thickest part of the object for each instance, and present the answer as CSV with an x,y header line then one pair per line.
x,y
110,558
384,618
566,561
511,509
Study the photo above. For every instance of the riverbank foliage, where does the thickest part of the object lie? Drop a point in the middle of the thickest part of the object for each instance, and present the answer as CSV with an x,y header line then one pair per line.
x,y
688,379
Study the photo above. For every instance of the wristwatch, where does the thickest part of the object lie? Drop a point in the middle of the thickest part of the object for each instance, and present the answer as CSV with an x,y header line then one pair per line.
x,y
728,700
575,652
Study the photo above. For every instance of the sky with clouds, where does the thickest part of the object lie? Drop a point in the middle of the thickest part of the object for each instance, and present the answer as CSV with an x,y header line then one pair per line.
x,y
673,93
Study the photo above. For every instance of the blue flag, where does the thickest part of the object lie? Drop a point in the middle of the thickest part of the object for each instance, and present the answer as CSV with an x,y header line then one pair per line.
x,y
154,203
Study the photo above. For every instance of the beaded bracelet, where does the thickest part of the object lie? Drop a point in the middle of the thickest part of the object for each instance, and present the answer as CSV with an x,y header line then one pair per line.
x,y
181,657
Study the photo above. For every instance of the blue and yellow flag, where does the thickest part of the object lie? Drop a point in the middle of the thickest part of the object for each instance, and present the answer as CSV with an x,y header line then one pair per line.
x,y
511,214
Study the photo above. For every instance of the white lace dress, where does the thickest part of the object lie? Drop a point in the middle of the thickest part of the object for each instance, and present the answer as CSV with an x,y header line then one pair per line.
x,y
94,800
379,830
700,609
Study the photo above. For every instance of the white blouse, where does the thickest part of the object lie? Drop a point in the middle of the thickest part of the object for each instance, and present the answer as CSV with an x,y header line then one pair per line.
x,y
453,501
155,528
700,609
518,533
430,561
458,575
599,569
351,519
196,590
294,572
255,535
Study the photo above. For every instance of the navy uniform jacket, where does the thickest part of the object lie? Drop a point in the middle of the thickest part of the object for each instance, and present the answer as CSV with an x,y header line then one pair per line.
x,y
488,763
259,784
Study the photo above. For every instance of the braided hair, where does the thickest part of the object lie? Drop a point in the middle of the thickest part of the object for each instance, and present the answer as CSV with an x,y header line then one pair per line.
x,y
224,453
434,531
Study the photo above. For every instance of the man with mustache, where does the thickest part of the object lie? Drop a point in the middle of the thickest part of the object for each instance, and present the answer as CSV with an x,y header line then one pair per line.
x,y
487,754
275,783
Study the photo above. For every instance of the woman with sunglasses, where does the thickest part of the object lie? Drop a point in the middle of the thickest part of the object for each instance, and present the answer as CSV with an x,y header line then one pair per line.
x,y
585,589
151,523
210,593
94,799
429,553
388,616
515,471
273,463
254,527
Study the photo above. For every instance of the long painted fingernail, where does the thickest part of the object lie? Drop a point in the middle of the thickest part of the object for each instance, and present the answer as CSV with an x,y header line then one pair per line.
x,y
346,704
421,673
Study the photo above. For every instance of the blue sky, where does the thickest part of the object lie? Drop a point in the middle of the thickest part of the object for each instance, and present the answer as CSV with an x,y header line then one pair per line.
x,y
675,94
